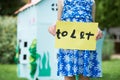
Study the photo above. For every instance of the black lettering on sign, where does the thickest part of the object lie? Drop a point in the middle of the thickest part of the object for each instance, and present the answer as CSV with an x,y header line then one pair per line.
x,y
82,35
64,33
88,35
58,33
73,34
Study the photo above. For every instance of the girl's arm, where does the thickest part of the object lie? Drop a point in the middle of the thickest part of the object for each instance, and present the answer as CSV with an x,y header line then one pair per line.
x,y
60,7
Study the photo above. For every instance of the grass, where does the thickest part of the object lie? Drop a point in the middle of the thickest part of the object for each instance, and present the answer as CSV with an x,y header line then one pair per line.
x,y
8,72
111,71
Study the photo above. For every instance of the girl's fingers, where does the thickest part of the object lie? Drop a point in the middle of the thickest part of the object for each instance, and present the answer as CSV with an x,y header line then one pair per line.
x,y
99,35
52,30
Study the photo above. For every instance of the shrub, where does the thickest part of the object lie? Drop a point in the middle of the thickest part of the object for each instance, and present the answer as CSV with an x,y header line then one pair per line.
x,y
7,39
108,48
108,13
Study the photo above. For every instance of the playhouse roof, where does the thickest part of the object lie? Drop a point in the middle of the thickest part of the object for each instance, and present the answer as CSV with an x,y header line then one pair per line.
x,y
27,6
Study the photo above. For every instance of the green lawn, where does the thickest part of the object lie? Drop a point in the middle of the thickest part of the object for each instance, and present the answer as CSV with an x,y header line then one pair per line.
x,y
8,72
111,71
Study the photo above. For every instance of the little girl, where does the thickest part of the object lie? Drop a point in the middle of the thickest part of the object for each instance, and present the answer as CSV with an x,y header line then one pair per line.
x,y
77,62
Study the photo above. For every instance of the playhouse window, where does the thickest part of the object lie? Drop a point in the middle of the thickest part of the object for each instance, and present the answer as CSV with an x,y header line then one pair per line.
x,y
54,7
19,41
25,44
24,57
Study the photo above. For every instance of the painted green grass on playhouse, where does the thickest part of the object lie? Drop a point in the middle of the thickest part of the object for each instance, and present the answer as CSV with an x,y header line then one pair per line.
x,y
111,71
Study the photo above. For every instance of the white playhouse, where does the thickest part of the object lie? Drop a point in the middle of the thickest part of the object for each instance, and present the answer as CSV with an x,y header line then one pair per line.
x,y
33,21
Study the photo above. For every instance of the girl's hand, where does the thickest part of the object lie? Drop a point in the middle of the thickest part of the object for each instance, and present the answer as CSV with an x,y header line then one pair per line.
x,y
99,34
52,29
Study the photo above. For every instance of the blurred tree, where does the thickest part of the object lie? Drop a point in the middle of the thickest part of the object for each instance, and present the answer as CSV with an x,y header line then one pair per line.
x,y
8,7
7,39
26,1
108,13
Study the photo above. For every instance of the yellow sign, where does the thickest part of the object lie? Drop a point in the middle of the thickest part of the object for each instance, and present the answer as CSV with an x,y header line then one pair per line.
x,y
76,35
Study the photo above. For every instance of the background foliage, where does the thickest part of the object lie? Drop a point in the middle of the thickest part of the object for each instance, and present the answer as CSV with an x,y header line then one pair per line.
x,y
107,49
108,13
7,39
8,7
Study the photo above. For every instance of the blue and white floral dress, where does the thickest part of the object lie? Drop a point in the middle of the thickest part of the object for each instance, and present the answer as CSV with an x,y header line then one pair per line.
x,y
75,62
